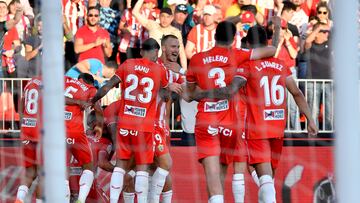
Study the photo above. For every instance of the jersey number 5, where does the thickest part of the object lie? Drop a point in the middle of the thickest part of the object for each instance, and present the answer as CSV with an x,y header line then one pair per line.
x,y
148,84
277,91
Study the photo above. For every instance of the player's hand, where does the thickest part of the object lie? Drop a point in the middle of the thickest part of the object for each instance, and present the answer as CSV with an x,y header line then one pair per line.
x,y
98,132
312,129
85,104
175,87
173,66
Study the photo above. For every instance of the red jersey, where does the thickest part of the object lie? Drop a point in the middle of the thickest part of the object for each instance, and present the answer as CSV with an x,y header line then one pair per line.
x,y
111,113
88,36
214,69
265,97
32,110
141,82
74,116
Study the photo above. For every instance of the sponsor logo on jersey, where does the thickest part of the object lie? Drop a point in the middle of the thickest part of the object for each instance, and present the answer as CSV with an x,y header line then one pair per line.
x,y
29,122
221,105
135,111
225,131
68,115
212,131
274,114
125,132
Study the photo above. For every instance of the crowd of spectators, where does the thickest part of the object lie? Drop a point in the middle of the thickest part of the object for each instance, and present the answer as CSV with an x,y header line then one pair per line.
x,y
113,31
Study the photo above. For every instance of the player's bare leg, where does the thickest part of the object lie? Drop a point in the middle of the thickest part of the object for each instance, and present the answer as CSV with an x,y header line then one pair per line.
x,y
267,189
164,163
213,181
85,182
129,183
224,168
117,180
238,182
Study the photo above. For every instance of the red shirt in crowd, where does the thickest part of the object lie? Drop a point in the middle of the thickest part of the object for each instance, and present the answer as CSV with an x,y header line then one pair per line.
x,y
141,82
9,37
88,36
265,97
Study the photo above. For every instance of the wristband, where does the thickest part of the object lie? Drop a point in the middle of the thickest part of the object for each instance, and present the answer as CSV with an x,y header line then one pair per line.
x,y
182,71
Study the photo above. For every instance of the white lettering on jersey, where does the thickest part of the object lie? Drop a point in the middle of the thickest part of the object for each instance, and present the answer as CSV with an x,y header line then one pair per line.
x,y
221,105
274,114
216,58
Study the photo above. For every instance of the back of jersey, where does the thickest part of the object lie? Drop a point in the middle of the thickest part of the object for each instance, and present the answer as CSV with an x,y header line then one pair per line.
x,y
141,82
213,69
32,110
78,90
265,97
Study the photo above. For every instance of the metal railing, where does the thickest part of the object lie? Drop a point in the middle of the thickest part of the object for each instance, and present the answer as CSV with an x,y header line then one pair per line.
x,y
320,92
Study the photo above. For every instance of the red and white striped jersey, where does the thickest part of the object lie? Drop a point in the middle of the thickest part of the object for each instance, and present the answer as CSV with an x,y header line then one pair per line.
x,y
237,41
75,14
138,34
161,110
203,39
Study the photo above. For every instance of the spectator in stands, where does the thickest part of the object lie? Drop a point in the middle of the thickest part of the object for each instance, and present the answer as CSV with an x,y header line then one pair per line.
x,y
238,7
28,10
202,36
247,20
300,17
33,49
181,13
75,13
323,13
109,20
23,26
92,41
5,24
132,33
318,47
158,30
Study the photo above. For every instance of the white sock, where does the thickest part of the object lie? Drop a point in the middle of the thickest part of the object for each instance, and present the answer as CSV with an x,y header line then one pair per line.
x,y
267,190
85,183
142,186
255,178
166,196
216,199
238,187
157,184
22,192
38,201
129,197
116,184
67,190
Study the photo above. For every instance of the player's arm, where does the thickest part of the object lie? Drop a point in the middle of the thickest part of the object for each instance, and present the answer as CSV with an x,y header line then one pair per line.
x,y
103,161
269,51
223,92
99,120
106,88
302,104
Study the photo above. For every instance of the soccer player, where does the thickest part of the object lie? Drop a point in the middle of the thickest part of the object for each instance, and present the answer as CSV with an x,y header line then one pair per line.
x,y
161,177
81,89
266,81
30,131
141,81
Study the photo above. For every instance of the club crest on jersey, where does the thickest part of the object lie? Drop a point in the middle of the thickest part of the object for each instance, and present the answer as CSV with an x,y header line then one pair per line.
x,y
221,105
212,131
29,122
161,147
274,114
135,111
68,115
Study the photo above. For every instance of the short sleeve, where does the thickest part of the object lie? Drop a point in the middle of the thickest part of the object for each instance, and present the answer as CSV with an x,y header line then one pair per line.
x,y
190,74
164,77
243,71
192,35
120,71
